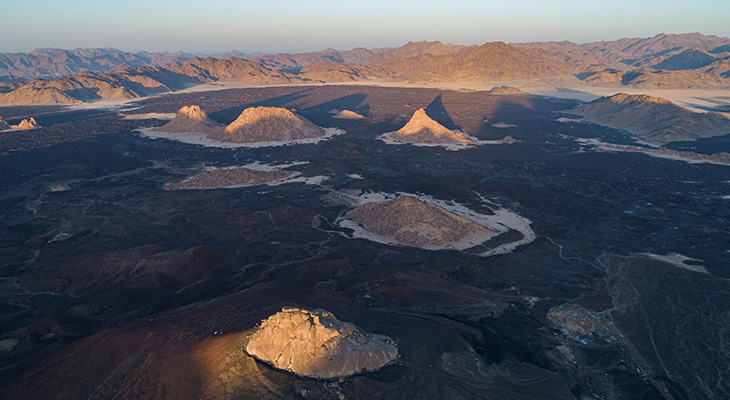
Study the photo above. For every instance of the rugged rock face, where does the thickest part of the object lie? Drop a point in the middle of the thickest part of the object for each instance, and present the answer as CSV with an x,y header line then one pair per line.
x,y
27,124
228,177
653,119
347,114
316,344
409,221
269,124
190,119
422,129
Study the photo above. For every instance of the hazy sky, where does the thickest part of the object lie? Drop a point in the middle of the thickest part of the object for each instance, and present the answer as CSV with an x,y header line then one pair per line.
x,y
307,25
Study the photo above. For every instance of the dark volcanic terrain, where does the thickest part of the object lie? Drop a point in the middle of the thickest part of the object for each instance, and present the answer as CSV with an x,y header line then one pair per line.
x,y
113,287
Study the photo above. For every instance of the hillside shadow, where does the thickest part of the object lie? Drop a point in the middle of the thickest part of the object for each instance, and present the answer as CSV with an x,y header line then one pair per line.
x,y
352,102
437,111
228,115
520,110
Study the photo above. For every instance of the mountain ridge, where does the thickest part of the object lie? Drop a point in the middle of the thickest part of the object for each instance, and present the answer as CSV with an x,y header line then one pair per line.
x,y
662,61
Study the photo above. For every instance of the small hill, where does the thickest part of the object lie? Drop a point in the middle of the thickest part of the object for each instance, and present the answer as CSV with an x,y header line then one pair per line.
x,y
688,59
268,124
228,177
716,73
506,90
30,95
653,119
191,119
409,221
422,129
339,72
490,61
231,70
316,344
347,114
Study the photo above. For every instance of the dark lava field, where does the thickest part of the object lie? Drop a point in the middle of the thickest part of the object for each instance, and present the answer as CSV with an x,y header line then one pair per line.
x,y
119,289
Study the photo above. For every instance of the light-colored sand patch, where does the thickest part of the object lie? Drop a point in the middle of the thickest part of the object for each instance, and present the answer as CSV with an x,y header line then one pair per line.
x,y
8,345
160,116
502,221
504,125
203,140
355,176
103,104
388,139
563,119
293,177
259,166
678,260
298,178
651,152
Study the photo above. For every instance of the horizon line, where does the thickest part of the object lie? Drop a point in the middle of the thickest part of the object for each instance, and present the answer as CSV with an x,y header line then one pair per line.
x,y
212,52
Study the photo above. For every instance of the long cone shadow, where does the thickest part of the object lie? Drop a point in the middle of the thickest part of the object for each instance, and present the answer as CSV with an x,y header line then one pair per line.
x,y
438,112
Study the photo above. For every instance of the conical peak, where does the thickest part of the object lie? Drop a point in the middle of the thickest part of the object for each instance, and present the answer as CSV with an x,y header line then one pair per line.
x,y
192,112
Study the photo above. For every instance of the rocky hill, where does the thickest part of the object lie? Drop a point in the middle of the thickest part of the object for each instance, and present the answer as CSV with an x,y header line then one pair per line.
x,y
316,344
653,119
685,59
231,70
410,221
29,123
268,124
422,129
490,61
338,72
347,114
629,51
130,83
507,90
190,119
44,63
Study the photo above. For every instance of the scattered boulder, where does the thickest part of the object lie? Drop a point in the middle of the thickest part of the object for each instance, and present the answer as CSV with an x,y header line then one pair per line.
x,y
410,221
60,188
269,124
315,343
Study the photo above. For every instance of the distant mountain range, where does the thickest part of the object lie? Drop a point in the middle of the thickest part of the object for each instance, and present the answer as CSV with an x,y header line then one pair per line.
x,y
56,76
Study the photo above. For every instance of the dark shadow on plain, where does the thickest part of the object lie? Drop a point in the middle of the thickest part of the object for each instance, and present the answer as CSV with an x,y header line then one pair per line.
x,y
352,102
228,115
437,111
